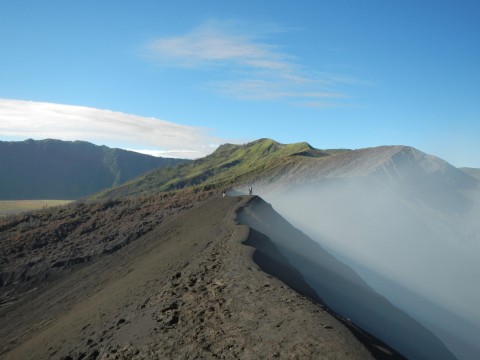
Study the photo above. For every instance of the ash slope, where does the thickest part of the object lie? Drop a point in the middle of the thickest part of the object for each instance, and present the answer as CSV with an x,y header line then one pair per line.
x,y
188,289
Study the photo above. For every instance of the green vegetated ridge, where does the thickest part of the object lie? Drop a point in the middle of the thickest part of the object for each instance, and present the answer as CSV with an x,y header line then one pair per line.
x,y
55,169
229,164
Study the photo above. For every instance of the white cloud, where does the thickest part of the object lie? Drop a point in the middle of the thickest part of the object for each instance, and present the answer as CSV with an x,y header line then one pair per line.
x,y
251,68
220,43
38,120
180,153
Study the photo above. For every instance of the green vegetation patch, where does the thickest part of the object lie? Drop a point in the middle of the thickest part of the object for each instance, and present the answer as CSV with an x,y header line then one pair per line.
x,y
228,165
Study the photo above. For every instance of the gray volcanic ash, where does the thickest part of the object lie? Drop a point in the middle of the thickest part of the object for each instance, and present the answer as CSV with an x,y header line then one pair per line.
x,y
187,289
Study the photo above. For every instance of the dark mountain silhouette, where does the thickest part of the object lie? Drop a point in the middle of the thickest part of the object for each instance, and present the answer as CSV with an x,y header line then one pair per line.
x,y
54,169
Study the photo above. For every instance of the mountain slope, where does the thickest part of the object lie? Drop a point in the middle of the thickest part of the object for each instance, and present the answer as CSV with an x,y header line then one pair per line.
x,y
397,163
228,165
54,169
187,289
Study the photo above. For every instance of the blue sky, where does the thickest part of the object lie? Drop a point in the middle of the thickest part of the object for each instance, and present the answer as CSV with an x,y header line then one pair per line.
x,y
338,74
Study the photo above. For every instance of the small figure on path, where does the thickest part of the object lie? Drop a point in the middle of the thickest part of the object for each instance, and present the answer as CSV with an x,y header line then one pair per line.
x,y
250,191
223,194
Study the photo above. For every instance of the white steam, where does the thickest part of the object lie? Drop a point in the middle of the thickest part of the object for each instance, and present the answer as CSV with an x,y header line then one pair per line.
x,y
411,230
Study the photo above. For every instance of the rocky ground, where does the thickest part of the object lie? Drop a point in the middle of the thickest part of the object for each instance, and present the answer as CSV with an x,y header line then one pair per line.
x,y
186,289
38,246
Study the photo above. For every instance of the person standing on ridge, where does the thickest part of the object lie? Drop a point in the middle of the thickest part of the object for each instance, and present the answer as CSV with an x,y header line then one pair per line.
x,y
250,191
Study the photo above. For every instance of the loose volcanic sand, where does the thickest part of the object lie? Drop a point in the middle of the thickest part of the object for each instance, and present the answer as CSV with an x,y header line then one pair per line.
x,y
188,289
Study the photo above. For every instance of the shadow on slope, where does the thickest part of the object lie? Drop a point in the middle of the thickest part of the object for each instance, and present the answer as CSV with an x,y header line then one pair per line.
x,y
268,257
339,286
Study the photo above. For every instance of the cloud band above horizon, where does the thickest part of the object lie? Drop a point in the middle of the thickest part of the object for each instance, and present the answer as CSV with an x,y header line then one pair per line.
x,y
39,120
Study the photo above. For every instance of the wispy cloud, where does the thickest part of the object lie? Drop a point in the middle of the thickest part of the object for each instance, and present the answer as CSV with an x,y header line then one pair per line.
x,y
251,68
37,120
218,43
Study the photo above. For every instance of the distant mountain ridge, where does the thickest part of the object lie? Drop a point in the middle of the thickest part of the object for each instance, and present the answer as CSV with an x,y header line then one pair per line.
x,y
229,165
55,169
269,164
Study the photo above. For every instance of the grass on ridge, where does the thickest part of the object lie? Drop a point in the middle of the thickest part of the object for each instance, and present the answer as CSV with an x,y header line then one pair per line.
x,y
229,164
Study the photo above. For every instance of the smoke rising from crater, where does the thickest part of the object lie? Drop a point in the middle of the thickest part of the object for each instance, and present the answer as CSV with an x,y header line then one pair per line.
x,y
411,229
